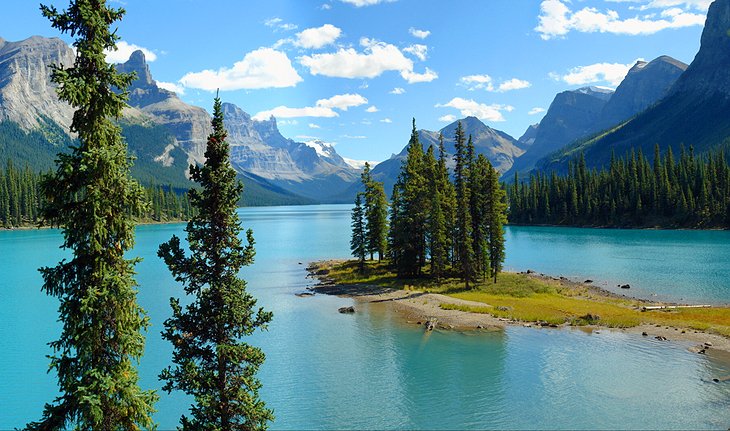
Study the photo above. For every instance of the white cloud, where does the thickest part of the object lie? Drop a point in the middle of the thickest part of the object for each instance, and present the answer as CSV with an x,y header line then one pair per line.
x,y
171,86
701,5
262,68
536,110
287,112
324,108
314,126
386,120
413,77
361,3
124,50
448,118
611,73
376,58
353,137
421,34
278,24
477,82
372,108
417,50
485,82
557,19
317,37
397,90
342,101
469,107
513,84
325,6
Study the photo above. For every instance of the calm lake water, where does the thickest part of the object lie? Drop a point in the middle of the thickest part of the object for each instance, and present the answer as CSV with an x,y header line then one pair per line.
x,y
369,370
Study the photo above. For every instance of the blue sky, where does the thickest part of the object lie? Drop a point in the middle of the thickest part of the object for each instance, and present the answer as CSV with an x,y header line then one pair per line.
x,y
354,72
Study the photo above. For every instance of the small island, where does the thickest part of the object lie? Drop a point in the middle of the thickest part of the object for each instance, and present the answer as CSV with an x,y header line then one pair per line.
x,y
523,299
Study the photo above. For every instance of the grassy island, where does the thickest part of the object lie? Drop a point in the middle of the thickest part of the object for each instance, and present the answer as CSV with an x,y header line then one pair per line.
x,y
531,298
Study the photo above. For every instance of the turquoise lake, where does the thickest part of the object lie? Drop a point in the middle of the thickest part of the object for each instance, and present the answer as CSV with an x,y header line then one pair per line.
x,y
325,370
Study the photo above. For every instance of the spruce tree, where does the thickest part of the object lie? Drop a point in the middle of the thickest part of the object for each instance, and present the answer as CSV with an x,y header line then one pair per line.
x,y
90,197
211,361
463,228
436,221
496,217
447,195
376,214
358,242
413,212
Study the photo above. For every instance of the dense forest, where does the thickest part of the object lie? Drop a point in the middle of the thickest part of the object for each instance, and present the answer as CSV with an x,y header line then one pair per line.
x,y
445,228
21,199
688,191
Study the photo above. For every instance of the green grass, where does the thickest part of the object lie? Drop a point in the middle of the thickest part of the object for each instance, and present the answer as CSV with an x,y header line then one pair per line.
x,y
527,298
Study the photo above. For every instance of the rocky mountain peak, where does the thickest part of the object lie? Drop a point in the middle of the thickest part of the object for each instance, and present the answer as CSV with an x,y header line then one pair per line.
x,y
709,73
138,63
26,91
144,90
644,85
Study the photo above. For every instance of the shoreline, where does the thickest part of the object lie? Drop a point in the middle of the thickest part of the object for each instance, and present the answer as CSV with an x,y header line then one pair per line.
x,y
423,309
601,227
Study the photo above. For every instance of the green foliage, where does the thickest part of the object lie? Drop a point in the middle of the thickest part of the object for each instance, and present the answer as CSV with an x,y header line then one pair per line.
x,y
689,192
458,227
359,240
465,257
91,196
36,148
211,361
376,214
21,199
409,212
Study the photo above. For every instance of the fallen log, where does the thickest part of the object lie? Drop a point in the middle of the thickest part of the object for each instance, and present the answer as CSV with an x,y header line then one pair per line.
x,y
671,307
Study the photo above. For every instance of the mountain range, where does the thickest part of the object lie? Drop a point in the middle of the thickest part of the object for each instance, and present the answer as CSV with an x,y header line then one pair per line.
x,y
164,133
663,102
692,113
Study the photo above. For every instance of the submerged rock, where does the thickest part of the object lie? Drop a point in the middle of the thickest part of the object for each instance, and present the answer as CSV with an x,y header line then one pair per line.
x,y
346,310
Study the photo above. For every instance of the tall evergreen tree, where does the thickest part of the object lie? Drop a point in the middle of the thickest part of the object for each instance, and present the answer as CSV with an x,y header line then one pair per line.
x,y
463,228
90,196
376,214
211,361
436,221
480,202
412,210
448,200
496,217
358,242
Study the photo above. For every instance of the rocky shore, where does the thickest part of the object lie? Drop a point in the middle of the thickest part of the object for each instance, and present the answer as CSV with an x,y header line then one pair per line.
x,y
425,309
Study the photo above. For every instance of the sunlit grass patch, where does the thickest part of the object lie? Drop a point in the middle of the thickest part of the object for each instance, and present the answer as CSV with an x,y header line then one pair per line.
x,y
526,298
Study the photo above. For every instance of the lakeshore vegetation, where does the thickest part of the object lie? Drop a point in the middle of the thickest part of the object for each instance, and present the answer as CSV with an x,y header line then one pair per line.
x,y
21,200
685,192
523,297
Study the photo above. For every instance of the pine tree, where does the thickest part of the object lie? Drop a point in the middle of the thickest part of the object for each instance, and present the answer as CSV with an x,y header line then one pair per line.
x,y
90,197
358,243
211,361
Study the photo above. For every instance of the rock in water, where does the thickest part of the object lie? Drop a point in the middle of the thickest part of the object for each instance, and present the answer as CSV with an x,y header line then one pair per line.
x,y
346,310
